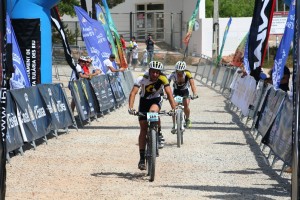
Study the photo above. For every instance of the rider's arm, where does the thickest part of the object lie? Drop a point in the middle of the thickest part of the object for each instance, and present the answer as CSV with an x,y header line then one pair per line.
x,y
82,75
191,81
193,87
132,95
168,91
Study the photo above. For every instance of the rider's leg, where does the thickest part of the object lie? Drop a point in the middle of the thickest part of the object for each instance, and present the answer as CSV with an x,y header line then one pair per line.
x,y
142,144
143,133
156,108
186,103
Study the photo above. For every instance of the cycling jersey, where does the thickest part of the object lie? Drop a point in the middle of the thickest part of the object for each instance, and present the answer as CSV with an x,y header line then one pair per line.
x,y
187,75
151,89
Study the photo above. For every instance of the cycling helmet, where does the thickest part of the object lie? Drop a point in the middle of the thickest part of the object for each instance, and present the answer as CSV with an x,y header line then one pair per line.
x,y
180,66
156,65
82,58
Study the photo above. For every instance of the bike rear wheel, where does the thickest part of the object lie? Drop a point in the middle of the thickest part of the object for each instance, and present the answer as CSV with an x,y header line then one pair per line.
x,y
151,158
178,122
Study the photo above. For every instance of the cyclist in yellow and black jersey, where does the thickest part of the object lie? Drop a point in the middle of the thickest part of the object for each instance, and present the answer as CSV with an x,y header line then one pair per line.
x,y
150,84
182,82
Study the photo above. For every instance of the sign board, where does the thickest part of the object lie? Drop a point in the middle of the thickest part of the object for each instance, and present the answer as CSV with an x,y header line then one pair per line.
x,y
278,23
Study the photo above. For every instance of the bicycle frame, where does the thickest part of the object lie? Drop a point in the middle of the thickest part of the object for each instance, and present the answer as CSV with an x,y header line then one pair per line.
x,y
178,121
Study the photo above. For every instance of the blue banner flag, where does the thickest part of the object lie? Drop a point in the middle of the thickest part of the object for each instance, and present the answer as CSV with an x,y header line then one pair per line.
x,y
102,19
94,37
19,78
246,61
284,47
224,39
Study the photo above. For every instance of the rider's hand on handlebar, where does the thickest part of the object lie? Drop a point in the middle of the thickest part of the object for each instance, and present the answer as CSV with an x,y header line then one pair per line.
x,y
131,111
195,96
171,112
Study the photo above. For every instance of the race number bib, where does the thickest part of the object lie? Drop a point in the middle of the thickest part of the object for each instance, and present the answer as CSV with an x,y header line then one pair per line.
x,y
152,117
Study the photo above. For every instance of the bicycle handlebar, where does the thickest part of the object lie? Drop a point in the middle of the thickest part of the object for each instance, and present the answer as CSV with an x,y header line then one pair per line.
x,y
190,96
144,114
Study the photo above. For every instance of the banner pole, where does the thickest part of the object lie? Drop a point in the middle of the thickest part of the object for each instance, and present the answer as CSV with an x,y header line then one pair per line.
x,y
3,101
296,99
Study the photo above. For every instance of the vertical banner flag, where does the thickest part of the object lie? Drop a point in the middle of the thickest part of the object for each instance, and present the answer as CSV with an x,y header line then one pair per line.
x,y
191,24
259,34
30,46
237,59
94,37
224,39
246,61
122,56
19,78
55,18
284,47
101,18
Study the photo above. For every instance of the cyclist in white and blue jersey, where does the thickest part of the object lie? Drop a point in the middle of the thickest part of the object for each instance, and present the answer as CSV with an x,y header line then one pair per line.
x,y
150,84
182,82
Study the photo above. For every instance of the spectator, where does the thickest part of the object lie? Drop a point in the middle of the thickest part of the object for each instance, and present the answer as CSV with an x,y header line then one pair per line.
x,y
95,70
135,56
284,82
108,65
144,60
85,66
130,47
150,47
81,74
123,43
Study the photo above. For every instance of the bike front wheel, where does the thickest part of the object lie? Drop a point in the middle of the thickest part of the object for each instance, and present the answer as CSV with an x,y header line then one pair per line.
x,y
151,158
179,131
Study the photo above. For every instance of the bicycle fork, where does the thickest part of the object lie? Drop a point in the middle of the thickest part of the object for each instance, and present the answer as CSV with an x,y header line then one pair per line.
x,y
182,120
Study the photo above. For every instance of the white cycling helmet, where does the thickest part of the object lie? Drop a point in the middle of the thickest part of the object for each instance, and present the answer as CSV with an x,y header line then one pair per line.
x,y
156,65
82,58
180,66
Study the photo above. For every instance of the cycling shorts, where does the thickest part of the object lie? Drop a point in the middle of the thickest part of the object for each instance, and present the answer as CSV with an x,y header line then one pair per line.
x,y
183,93
145,105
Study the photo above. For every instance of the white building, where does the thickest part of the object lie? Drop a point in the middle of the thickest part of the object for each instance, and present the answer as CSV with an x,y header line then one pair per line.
x,y
167,21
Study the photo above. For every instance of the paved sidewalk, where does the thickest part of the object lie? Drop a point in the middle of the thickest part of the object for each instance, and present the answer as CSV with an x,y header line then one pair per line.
x,y
218,160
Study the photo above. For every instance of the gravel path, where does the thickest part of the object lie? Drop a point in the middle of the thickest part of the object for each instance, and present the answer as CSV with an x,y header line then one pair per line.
x,y
219,160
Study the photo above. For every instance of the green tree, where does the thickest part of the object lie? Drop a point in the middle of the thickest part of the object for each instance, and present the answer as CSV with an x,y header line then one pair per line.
x,y
231,8
236,8
66,7
71,36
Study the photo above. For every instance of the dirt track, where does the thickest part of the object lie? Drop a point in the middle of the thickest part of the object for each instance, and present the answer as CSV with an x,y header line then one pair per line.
x,y
219,160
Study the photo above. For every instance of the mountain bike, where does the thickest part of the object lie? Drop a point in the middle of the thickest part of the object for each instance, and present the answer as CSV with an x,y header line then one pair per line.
x,y
151,151
179,121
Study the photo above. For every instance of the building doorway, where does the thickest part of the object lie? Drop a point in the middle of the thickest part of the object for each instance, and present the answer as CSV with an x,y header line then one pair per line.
x,y
150,19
